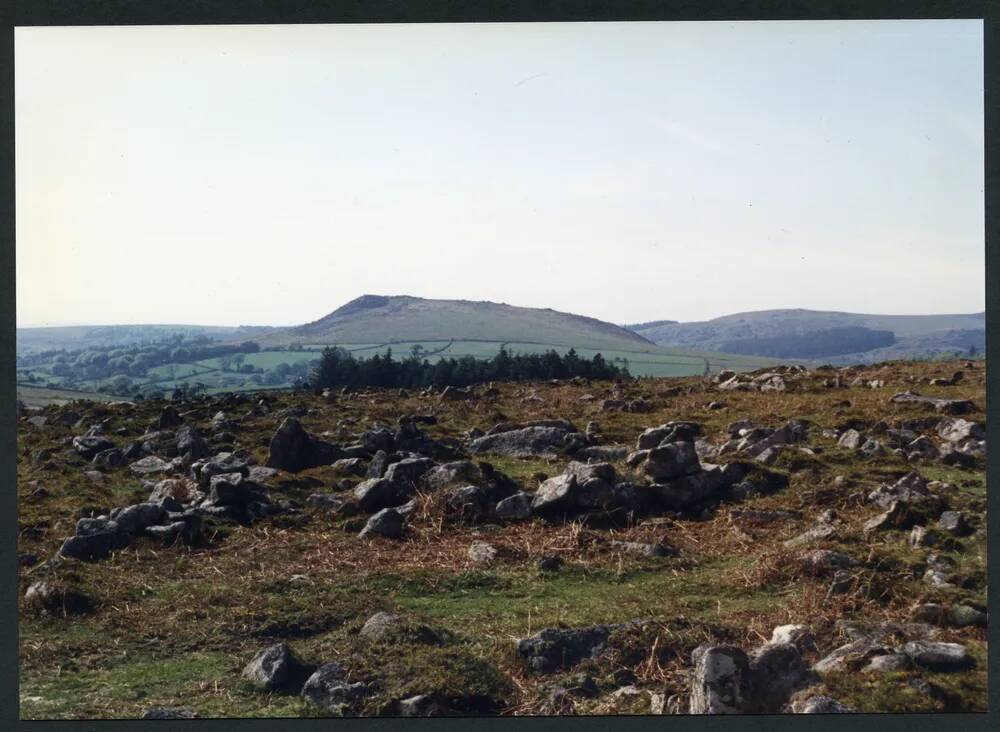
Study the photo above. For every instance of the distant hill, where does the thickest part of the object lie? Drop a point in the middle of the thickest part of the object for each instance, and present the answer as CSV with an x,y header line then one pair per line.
x,y
380,319
87,336
636,327
836,337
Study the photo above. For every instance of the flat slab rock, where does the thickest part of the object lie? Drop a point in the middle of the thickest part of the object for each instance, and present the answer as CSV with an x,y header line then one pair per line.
x,y
151,465
939,656
946,406
524,442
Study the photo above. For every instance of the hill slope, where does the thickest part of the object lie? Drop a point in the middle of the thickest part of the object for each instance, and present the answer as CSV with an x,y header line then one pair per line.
x,y
828,335
378,319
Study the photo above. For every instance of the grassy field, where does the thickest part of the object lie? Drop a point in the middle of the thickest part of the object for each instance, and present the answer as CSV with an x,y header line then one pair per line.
x,y
175,625
652,361
35,396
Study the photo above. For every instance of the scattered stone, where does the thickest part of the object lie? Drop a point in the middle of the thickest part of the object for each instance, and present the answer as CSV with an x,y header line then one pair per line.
x,y
922,447
824,561
276,668
954,523
376,494
383,627
718,680
957,430
514,508
57,598
964,616
229,489
921,536
556,648
95,539
851,439
425,705
388,523
293,449
261,473
151,465
176,489
939,571
889,662
328,689
939,656
776,671
821,705
134,519
407,472
897,516
89,446
669,461
549,564
798,635
524,442
642,549
481,552
811,536
928,612
169,713
945,406
462,471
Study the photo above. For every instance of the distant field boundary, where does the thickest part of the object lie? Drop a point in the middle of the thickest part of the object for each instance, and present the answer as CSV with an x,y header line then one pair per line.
x,y
717,356
25,385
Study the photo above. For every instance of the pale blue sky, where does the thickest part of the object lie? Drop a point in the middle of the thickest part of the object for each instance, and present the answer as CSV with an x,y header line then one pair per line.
x,y
627,171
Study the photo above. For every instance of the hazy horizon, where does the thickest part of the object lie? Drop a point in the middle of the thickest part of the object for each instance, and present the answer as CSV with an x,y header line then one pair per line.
x,y
71,324
631,172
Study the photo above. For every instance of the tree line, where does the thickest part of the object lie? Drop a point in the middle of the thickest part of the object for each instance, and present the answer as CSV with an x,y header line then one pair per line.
x,y
339,368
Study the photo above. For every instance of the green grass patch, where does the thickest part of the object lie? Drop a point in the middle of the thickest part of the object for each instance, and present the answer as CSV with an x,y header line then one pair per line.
x,y
515,602
202,682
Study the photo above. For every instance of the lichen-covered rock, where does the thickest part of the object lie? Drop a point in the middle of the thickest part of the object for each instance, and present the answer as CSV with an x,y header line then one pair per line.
x,y
524,442
150,465
481,552
851,439
277,668
821,705
57,598
963,616
557,648
89,446
514,508
554,496
329,690
461,471
938,656
384,627
954,523
718,680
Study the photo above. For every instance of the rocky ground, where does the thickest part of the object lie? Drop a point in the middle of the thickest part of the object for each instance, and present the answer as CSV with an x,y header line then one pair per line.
x,y
788,541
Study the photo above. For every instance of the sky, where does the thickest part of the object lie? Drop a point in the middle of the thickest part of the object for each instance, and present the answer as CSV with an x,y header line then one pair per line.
x,y
265,175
